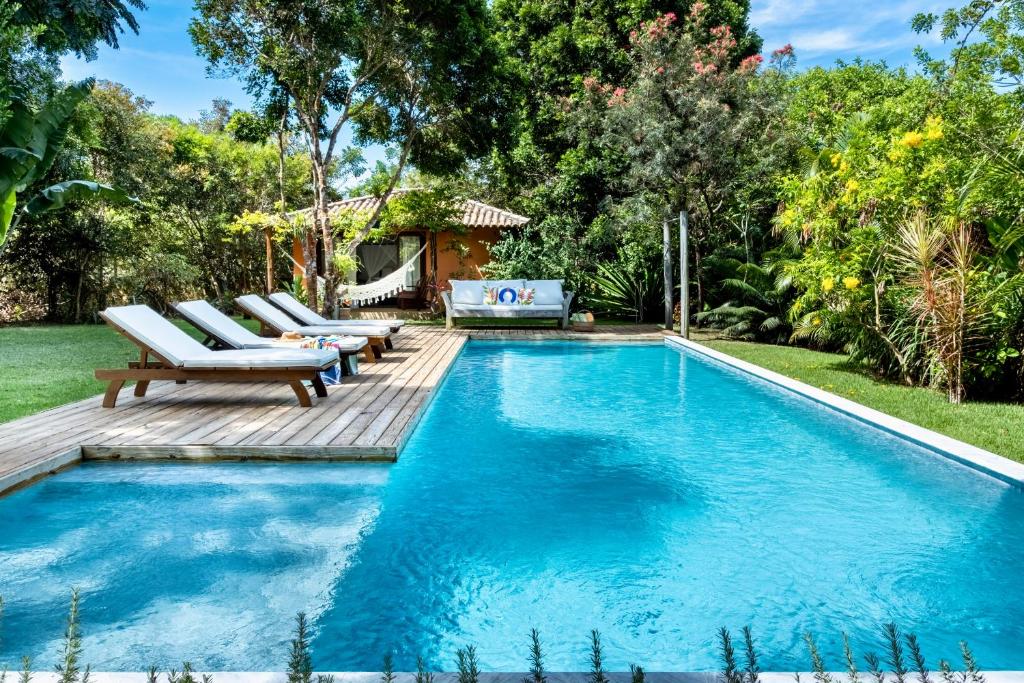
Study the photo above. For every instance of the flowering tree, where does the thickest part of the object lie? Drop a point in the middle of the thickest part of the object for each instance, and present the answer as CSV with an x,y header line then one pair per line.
x,y
685,119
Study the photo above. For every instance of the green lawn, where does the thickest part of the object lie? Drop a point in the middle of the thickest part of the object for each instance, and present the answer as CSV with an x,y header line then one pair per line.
x,y
997,427
42,366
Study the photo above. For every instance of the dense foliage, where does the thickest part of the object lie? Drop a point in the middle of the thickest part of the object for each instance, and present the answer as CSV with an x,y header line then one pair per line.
x,y
860,207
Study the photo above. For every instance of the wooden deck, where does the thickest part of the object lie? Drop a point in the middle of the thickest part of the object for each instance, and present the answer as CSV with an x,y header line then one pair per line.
x,y
368,417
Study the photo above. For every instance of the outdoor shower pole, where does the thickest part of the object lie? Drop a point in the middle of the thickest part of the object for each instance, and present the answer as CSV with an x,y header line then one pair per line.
x,y
666,245
684,275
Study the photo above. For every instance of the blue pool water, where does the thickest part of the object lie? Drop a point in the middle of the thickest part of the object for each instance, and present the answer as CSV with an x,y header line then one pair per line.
x,y
650,494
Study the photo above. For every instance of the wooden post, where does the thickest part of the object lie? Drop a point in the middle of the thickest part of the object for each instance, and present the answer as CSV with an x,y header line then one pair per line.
x,y
666,244
684,275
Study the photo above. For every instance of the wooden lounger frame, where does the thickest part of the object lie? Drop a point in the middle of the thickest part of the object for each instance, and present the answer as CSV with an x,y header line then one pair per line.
x,y
144,371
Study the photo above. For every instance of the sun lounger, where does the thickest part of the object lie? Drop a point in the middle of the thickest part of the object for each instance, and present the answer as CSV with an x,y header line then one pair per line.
x,y
224,333
296,309
276,322
179,357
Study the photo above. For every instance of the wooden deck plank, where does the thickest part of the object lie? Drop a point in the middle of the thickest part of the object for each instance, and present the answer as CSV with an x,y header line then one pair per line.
x,y
368,417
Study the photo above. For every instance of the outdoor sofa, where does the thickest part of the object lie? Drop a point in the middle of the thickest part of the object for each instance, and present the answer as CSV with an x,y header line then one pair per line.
x,y
507,299
181,358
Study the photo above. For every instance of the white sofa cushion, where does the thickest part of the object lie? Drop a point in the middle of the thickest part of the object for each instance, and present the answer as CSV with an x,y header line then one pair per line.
x,y
346,330
484,309
546,292
467,292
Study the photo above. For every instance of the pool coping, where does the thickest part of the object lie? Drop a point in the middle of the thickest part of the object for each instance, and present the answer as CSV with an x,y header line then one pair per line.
x,y
495,677
989,463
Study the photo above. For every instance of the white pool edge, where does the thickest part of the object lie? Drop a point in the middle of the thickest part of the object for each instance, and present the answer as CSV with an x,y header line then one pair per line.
x,y
991,464
495,677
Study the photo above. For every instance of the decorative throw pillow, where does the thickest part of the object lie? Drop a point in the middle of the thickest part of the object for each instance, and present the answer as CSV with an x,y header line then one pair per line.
x,y
507,296
526,296
490,295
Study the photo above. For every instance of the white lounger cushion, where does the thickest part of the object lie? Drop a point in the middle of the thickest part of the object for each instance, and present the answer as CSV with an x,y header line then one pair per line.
x,y
264,358
282,322
214,323
307,316
181,350
546,292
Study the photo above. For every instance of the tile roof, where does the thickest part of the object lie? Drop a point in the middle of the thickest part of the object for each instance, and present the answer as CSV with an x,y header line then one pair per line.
x,y
474,214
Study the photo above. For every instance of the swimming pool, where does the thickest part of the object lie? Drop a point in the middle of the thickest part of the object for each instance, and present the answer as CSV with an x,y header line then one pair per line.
x,y
646,492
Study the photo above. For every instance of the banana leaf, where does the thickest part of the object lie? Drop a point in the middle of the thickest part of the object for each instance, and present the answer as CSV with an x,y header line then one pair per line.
x,y
56,196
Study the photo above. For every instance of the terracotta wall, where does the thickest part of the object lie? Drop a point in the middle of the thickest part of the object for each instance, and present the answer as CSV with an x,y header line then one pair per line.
x,y
478,240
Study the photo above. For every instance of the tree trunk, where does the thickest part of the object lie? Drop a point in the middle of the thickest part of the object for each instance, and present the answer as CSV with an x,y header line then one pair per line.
x,y
268,244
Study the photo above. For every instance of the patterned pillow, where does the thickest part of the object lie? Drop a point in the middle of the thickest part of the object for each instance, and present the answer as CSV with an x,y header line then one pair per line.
x,y
526,296
490,295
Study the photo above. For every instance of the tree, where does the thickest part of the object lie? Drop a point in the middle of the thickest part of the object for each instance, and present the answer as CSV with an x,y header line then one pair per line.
x,y
416,74
685,120
29,144
77,25
550,167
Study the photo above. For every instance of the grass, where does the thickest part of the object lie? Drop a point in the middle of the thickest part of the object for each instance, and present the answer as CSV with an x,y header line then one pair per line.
x,y
996,427
50,365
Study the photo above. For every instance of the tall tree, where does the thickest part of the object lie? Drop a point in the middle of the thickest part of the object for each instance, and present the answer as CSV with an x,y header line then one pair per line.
x,y
415,74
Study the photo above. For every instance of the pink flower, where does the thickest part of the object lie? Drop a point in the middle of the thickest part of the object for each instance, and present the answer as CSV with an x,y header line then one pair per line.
x,y
670,17
784,51
661,69
751,63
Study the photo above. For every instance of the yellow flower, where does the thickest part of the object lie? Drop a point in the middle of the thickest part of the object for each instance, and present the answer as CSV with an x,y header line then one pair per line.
x,y
852,186
828,284
912,139
816,321
851,282
844,167
933,128
836,158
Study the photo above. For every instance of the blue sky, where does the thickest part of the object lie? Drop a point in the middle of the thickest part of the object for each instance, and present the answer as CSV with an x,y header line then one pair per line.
x,y
161,64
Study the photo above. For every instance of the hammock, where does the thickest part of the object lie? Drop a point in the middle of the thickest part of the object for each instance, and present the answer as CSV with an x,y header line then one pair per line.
x,y
372,292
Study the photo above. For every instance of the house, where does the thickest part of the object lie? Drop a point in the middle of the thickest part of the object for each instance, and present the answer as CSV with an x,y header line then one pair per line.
x,y
443,256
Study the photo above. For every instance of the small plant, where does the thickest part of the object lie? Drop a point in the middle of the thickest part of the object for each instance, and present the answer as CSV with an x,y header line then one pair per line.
x,y
753,670
730,671
71,651
26,670
468,670
422,675
300,664
187,675
388,671
151,674
636,673
597,674
894,649
875,667
851,661
821,674
917,658
536,660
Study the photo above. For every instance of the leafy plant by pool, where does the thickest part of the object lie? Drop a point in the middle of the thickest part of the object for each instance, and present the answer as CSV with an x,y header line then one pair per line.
x,y
898,666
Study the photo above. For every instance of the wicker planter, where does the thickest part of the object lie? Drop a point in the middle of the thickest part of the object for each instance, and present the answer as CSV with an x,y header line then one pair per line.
x,y
582,322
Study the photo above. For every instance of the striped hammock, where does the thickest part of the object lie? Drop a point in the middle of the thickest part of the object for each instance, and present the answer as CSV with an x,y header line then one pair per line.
x,y
372,292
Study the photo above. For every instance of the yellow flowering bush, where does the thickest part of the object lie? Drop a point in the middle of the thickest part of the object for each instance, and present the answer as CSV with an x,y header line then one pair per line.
x,y
851,282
